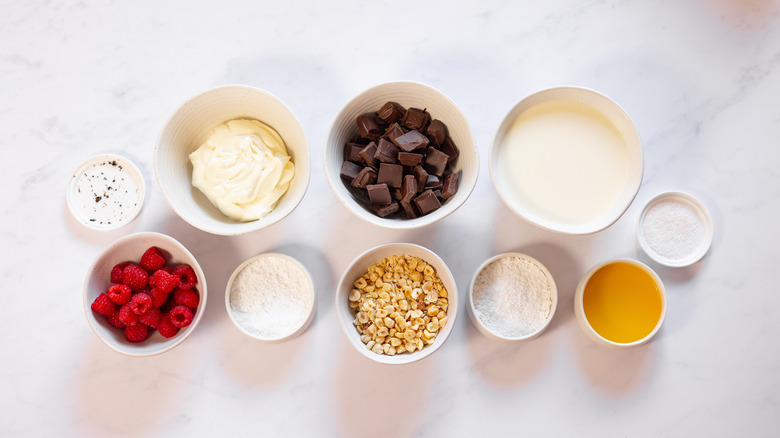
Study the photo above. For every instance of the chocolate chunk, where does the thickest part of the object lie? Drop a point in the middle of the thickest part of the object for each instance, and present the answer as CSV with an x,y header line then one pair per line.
x,y
352,152
385,210
378,194
390,112
409,188
386,152
421,176
437,132
409,210
448,147
411,141
433,183
390,174
409,158
415,119
368,154
350,170
435,161
394,131
450,186
365,177
427,202
396,192
368,127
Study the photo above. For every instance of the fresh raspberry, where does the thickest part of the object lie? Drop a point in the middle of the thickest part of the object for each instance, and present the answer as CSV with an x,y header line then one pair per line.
x,y
181,316
119,293
135,277
164,281
166,329
152,259
126,315
141,303
169,304
136,333
158,297
114,320
188,298
167,269
116,273
151,317
103,305
187,275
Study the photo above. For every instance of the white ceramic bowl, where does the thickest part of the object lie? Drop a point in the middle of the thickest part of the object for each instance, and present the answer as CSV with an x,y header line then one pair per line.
x,y
557,187
360,266
582,320
491,332
408,95
294,331
130,248
191,125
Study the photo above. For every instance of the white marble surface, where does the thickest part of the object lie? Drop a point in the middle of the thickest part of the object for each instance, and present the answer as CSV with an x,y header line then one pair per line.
x,y
699,78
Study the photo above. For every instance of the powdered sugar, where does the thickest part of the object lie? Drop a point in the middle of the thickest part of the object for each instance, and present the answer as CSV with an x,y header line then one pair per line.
x,y
512,297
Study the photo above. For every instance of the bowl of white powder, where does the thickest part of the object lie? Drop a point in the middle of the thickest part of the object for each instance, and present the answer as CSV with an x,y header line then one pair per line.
x,y
513,297
271,298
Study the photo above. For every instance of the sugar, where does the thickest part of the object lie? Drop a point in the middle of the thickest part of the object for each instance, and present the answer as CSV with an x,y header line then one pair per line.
x,y
673,229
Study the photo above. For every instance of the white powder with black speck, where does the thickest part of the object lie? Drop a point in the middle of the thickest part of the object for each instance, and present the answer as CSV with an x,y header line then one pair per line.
x,y
271,297
512,297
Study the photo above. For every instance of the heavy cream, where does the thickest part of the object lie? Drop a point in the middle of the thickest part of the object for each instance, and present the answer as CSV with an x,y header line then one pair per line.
x,y
243,169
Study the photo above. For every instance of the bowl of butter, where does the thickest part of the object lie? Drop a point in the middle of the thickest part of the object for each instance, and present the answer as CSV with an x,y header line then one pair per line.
x,y
232,160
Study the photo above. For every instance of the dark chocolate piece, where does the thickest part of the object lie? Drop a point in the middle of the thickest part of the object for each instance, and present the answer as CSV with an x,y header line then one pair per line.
x,y
390,174
396,192
411,141
365,177
409,188
409,210
385,210
433,182
415,119
394,131
450,186
390,112
409,158
352,152
435,161
448,147
386,152
437,132
421,175
427,202
368,154
368,127
378,194
350,170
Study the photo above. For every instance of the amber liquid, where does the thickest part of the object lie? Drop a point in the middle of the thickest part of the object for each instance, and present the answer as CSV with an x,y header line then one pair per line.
x,y
622,302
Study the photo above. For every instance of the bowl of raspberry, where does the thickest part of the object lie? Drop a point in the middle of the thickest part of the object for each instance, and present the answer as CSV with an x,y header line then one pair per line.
x,y
144,294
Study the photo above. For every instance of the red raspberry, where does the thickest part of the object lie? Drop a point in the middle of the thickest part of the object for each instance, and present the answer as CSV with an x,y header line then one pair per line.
x,y
151,317
188,298
116,273
181,316
169,304
103,305
126,315
187,275
152,259
165,327
114,320
136,333
119,293
135,277
164,281
141,303
158,297
167,269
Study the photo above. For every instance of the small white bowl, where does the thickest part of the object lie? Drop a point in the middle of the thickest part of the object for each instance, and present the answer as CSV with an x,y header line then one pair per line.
x,y
130,248
191,125
582,320
106,192
308,309
678,225
408,95
491,332
360,266
559,189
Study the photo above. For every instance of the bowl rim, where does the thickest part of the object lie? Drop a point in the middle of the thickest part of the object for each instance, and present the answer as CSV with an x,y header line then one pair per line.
x,y
311,311
501,131
395,223
170,343
497,336
262,224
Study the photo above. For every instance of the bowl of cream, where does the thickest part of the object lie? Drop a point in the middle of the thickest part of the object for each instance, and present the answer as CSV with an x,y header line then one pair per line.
x,y
567,159
232,160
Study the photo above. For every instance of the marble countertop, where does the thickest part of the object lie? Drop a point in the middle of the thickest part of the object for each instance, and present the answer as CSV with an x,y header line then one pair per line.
x,y
700,80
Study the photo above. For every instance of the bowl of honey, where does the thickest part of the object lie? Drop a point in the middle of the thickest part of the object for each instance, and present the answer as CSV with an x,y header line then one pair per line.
x,y
620,303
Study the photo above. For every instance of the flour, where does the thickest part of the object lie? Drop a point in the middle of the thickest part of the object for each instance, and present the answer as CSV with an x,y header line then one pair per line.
x,y
271,297
512,297
673,230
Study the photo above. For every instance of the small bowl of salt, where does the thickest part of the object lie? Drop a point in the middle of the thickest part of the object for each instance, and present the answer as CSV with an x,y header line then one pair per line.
x,y
513,297
270,297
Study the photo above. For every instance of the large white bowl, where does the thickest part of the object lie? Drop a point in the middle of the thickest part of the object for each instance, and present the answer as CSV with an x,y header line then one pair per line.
x,y
503,168
360,266
130,248
408,95
190,126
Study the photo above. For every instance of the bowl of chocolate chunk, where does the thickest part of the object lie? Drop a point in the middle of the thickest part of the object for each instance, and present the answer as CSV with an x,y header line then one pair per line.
x,y
401,155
